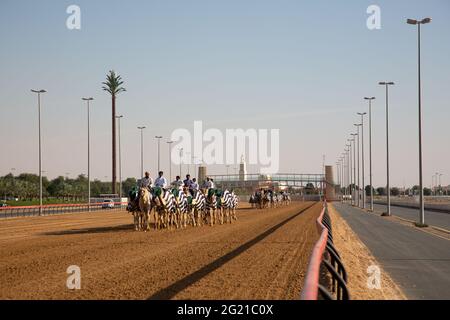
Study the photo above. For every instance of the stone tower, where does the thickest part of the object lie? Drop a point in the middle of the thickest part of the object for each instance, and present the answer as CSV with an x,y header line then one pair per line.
x,y
242,170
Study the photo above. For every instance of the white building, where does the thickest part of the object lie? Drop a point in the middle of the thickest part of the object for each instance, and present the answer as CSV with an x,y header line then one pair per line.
x,y
242,170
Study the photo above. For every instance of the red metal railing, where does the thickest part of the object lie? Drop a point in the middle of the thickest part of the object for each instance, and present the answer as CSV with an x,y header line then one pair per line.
x,y
324,253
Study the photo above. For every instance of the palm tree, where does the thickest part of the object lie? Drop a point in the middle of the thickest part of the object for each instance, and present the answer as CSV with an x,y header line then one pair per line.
x,y
113,85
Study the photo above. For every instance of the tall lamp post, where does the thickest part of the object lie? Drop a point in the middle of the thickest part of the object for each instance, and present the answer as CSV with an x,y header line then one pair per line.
x,y
343,172
349,171
353,162
388,189
40,149
357,125
370,150
342,175
159,140
88,150
120,160
422,203
170,160
195,163
436,183
432,184
141,128
362,114
180,150
338,178
338,168
341,161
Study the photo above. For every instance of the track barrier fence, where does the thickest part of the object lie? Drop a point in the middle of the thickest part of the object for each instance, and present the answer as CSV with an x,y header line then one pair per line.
x,y
326,262
49,209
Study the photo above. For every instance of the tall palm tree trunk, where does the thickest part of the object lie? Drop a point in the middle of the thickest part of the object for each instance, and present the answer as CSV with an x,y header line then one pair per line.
x,y
113,144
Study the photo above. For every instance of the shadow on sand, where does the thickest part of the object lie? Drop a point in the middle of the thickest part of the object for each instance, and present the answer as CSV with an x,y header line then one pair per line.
x,y
120,228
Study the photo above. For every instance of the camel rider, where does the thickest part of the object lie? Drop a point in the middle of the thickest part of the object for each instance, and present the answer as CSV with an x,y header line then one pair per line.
x,y
206,183
161,182
208,186
177,183
146,181
194,186
187,183
177,186
160,185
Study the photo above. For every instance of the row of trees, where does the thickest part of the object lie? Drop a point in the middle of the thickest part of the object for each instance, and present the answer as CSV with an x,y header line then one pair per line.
x,y
381,191
26,187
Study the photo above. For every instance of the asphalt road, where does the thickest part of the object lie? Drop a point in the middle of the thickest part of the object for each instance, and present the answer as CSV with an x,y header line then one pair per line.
x,y
418,261
437,219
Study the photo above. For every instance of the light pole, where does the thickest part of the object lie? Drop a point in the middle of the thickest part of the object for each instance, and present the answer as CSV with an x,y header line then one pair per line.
x,y
432,184
180,150
343,172
195,161
362,114
422,203
436,183
14,183
370,149
343,167
388,189
40,150
341,161
170,160
159,140
349,170
342,175
189,163
358,125
354,166
88,100
141,128
120,159
337,173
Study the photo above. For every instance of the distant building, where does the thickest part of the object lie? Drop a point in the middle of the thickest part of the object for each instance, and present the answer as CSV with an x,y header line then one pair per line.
x,y
242,170
202,174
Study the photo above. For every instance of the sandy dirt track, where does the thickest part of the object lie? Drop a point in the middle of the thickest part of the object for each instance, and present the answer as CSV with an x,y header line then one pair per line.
x,y
264,255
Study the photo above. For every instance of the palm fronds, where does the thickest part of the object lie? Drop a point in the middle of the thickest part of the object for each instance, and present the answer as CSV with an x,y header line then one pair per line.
x,y
113,83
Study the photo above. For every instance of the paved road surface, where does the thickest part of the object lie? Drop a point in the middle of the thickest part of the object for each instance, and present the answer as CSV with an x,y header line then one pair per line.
x,y
438,219
419,262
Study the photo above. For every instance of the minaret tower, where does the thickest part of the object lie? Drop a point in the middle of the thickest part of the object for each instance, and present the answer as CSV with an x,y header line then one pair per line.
x,y
242,170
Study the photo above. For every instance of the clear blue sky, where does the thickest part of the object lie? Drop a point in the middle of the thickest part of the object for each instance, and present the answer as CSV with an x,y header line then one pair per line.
x,y
301,66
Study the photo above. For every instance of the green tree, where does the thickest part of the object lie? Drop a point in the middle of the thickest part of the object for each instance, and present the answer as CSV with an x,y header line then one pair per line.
x,y
395,191
128,184
381,191
113,85
367,188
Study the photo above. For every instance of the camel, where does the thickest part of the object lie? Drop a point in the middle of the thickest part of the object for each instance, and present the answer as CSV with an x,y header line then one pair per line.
x,y
142,217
